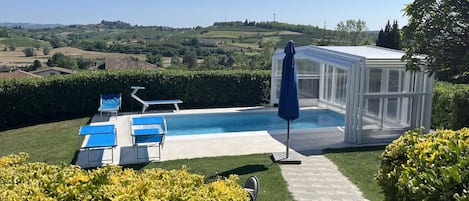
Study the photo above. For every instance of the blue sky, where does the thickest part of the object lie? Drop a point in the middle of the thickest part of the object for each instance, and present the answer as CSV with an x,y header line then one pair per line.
x,y
191,13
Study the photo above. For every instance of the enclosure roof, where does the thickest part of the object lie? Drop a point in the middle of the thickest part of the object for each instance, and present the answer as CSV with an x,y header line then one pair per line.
x,y
323,55
369,52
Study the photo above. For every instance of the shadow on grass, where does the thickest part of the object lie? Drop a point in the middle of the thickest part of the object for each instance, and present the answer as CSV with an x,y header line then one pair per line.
x,y
45,121
75,158
243,170
354,149
138,166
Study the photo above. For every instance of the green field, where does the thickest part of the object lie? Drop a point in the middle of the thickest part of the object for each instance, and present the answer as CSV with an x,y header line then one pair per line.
x,y
20,41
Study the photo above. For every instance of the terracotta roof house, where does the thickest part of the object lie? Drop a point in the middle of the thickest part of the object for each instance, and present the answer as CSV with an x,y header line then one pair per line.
x,y
17,74
53,71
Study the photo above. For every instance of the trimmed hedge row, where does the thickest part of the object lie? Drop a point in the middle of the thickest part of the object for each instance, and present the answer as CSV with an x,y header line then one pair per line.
x,y
426,167
450,107
41,181
58,97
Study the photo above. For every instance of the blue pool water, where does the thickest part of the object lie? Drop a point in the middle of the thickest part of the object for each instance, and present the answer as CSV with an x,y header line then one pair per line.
x,y
190,124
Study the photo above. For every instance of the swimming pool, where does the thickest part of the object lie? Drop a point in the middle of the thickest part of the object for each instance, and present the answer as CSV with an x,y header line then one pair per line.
x,y
209,123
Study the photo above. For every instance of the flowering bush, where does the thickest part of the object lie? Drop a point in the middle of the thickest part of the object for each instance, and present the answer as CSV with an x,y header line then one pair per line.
x,y
426,167
40,181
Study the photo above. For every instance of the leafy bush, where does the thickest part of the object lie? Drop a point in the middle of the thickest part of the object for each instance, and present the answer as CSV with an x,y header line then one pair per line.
x,y
450,105
58,97
40,181
426,167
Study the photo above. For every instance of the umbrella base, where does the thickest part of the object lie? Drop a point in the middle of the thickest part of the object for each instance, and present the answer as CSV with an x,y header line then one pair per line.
x,y
280,157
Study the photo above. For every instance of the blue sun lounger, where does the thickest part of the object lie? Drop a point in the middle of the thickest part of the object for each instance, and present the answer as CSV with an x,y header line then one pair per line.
x,y
99,137
110,103
149,130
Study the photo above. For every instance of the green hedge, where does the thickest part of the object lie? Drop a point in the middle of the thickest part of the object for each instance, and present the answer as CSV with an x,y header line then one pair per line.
x,y
426,167
450,106
34,100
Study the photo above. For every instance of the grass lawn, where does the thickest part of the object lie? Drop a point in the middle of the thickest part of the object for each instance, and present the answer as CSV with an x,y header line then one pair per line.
x,y
57,142
360,165
53,143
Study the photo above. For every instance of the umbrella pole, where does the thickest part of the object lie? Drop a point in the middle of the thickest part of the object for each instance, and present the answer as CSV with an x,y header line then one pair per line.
x,y
288,136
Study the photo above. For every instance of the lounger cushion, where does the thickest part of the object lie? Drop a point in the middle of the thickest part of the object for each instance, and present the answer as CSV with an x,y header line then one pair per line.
x,y
157,102
102,140
100,129
148,139
147,120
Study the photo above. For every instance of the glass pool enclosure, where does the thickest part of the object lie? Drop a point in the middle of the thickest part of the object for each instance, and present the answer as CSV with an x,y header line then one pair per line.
x,y
370,85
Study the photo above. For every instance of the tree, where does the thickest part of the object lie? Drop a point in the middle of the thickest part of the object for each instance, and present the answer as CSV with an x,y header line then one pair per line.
x,y
210,62
439,30
37,45
62,60
395,36
29,52
84,63
12,47
36,64
195,41
46,50
153,59
390,37
352,32
268,51
190,59
175,60
3,33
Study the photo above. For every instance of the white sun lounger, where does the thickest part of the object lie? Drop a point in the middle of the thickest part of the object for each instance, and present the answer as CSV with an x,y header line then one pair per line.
x,y
147,104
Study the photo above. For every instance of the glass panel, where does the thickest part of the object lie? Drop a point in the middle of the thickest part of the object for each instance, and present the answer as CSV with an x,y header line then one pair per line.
x,y
374,80
402,77
277,88
392,109
329,82
373,106
307,67
308,88
279,67
341,82
409,110
393,83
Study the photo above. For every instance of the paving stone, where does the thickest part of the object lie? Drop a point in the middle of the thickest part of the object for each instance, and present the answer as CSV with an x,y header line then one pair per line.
x,y
317,178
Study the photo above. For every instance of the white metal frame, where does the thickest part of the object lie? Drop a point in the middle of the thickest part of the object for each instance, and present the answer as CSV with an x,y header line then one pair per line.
x,y
413,96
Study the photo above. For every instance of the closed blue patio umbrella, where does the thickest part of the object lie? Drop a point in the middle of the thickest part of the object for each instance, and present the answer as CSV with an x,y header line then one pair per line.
x,y
288,107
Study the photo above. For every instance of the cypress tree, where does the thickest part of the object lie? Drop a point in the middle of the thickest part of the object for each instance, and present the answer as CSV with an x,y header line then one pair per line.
x,y
380,41
395,36
390,37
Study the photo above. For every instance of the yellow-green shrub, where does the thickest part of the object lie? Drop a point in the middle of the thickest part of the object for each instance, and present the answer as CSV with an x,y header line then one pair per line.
x,y
426,166
40,181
